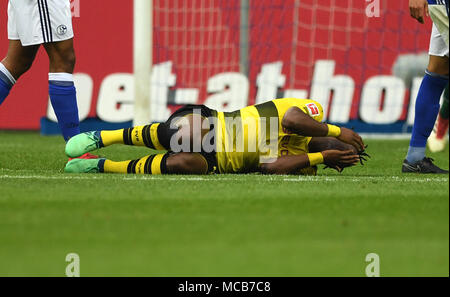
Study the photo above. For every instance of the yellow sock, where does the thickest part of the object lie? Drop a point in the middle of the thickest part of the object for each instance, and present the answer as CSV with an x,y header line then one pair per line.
x,y
153,164
139,136
112,137
115,167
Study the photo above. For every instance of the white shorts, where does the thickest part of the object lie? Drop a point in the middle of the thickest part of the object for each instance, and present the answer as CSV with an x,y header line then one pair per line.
x,y
39,21
439,36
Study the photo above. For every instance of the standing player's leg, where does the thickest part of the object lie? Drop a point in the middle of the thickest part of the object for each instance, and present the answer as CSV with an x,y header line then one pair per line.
x,y
48,22
17,61
61,86
427,106
427,109
437,141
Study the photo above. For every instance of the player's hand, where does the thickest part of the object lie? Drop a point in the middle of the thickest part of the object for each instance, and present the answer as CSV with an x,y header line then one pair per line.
x,y
340,159
352,138
418,9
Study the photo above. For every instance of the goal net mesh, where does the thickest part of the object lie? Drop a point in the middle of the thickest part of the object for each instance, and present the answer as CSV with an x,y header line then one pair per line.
x,y
203,38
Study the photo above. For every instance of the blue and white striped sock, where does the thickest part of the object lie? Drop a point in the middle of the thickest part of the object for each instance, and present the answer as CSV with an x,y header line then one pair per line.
x,y
63,97
7,81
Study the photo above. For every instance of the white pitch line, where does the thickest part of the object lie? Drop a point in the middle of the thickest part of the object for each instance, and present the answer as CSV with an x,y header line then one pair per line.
x,y
119,177
228,178
372,178
48,177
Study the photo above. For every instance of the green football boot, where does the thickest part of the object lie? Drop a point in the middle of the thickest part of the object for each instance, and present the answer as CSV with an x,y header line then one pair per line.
x,y
84,166
83,143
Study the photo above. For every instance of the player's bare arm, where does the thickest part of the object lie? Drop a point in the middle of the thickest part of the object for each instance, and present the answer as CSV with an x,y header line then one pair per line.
x,y
418,10
291,164
298,122
329,151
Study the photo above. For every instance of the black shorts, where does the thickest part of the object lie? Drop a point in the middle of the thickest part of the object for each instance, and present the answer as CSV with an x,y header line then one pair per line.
x,y
205,112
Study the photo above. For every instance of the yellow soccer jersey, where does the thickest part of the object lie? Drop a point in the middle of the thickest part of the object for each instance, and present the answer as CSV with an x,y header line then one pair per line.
x,y
253,135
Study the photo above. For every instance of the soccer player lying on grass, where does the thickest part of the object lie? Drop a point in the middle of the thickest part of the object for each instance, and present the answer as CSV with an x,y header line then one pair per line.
x,y
282,136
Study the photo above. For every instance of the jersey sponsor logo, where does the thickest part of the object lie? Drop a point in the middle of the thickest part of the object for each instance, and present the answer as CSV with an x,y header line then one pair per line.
x,y
313,109
61,30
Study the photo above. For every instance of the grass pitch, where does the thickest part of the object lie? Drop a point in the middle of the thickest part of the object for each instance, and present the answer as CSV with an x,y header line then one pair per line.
x,y
221,225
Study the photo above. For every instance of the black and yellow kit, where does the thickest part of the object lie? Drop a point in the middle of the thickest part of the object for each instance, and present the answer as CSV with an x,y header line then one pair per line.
x,y
240,140
246,137
249,129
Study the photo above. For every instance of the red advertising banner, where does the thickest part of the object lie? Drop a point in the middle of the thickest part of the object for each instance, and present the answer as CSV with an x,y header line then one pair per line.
x,y
341,53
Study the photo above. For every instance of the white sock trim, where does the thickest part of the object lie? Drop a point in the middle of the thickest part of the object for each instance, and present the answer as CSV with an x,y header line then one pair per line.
x,y
7,73
60,77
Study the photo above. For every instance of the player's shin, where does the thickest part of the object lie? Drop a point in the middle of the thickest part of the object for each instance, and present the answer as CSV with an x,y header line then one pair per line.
x,y
153,164
139,136
7,81
427,108
64,101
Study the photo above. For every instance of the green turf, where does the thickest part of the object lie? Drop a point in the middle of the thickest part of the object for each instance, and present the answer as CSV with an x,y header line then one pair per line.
x,y
230,225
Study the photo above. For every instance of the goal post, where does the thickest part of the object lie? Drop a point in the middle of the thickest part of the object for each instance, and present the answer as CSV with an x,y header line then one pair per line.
x,y
244,37
142,60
